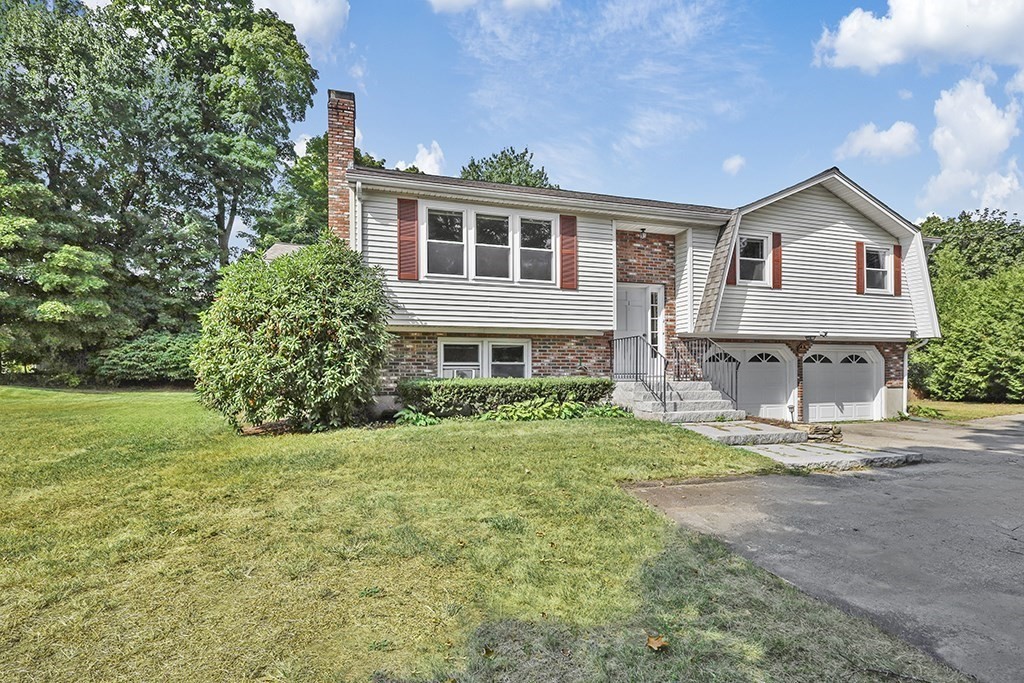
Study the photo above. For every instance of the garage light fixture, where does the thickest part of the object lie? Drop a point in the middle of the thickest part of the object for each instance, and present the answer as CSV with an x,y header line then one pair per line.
x,y
643,233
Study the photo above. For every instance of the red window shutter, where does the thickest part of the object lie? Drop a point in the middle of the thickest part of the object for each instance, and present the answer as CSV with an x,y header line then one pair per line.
x,y
860,267
776,260
897,270
569,260
408,240
730,275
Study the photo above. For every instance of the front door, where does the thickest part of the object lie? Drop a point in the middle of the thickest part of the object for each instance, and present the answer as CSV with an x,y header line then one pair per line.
x,y
638,313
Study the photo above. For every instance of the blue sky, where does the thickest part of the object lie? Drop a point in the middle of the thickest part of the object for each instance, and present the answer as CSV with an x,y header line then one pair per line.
x,y
709,101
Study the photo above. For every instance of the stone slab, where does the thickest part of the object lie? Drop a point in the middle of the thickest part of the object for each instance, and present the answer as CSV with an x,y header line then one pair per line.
x,y
833,456
746,432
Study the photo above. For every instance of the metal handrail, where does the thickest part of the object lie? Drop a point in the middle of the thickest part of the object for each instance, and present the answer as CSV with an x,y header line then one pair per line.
x,y
636,359
701,359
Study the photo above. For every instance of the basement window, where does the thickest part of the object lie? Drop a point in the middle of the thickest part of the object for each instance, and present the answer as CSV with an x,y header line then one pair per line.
x,y
468,358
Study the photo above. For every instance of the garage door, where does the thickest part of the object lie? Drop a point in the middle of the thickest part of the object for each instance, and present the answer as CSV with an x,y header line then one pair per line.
x,y
840,385
767,381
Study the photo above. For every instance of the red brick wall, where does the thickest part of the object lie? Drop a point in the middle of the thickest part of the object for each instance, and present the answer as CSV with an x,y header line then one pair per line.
x,y
893,355
650,261
341,145
414,355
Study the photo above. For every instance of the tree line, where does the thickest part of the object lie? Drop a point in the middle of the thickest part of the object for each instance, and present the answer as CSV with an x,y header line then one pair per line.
x,y
134,140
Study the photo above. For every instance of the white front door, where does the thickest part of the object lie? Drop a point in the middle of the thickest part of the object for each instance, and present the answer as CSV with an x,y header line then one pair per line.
x,y
638,313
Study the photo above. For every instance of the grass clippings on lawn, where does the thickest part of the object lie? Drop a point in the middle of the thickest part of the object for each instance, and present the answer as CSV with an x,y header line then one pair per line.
x,y
141,539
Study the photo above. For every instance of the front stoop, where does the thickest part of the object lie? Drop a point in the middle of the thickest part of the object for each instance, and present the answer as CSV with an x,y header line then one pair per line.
x,y
747,433
686,402
822,456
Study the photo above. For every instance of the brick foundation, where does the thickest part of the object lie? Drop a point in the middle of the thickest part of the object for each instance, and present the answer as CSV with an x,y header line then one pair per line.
x,y
414,355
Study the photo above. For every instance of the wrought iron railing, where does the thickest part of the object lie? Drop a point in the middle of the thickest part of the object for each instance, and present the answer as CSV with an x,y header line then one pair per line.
x,y
702,360
634,359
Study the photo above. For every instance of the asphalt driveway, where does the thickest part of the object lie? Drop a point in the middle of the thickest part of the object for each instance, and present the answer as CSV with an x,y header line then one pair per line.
x,y
933,552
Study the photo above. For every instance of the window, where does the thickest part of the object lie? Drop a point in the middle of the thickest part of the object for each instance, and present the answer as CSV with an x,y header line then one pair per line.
x,y
493,251
722,357
508,360
753,264
446,243
855,359
876,262
460,360
654,325
764,358
536,250
817,358
467,358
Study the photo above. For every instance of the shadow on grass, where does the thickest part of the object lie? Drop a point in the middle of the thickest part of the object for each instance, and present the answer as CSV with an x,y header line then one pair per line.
x,y
724,619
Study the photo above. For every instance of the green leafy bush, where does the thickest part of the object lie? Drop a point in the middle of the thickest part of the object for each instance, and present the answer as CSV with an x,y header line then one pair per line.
x,y
413,417
450,397
153,358
547,409
918,410
980,356
301,339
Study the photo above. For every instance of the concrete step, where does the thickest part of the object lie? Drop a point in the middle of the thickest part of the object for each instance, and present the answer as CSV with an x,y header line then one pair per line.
x,y
747,433
690,386
649,406
694,416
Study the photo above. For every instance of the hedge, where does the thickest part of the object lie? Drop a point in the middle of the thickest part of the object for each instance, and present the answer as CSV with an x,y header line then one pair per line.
x,y
153,358
450,397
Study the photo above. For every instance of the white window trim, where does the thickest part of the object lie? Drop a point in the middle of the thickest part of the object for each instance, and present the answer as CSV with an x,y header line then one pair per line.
x,y
485,345
766,240
469,213
887,260
553,222
425,235
511,247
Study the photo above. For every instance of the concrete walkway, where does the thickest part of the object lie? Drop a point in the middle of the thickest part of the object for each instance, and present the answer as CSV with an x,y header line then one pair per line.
x,y
932,553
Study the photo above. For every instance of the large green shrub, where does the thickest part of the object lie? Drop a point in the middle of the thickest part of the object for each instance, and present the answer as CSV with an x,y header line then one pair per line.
x,y
449,397
301,339
153,358
980,356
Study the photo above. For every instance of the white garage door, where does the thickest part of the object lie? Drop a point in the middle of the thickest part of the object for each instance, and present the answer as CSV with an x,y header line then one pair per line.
x,y
767,381
840,385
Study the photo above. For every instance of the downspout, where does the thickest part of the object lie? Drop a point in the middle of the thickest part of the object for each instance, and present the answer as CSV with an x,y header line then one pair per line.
x,y
358,215
906,372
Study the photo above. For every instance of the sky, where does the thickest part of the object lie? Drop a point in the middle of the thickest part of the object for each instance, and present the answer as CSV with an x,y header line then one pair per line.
x,y
714,102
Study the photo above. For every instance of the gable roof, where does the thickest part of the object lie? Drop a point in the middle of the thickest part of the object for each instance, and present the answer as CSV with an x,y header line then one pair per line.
x,y
446,186
836,182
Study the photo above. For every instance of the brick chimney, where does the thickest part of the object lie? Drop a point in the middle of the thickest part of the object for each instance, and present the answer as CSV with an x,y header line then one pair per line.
x,y
341,152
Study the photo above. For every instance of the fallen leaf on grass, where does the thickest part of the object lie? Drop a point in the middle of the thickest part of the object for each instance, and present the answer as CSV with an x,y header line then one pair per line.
x,y
656,643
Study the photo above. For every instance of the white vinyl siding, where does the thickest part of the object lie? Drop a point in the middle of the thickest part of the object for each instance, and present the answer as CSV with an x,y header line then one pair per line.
x,y
819,294
684,309
448,303
703,245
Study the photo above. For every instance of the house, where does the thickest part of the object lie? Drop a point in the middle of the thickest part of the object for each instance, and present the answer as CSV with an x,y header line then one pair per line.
x,y
799,306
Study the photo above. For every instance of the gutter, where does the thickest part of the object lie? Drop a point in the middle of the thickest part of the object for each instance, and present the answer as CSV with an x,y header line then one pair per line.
x,y
417,185
906,372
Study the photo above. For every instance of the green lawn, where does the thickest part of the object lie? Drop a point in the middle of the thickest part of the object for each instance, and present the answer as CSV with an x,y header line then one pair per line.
x,y
958,411
140,539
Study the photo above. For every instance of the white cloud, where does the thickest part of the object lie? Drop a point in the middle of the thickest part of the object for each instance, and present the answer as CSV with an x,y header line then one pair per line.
x,y
300,144
899,140
528,4
734,164
972,133
359,136
317,22
650,127
927,31
427,160
451,5
905,94
680,22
